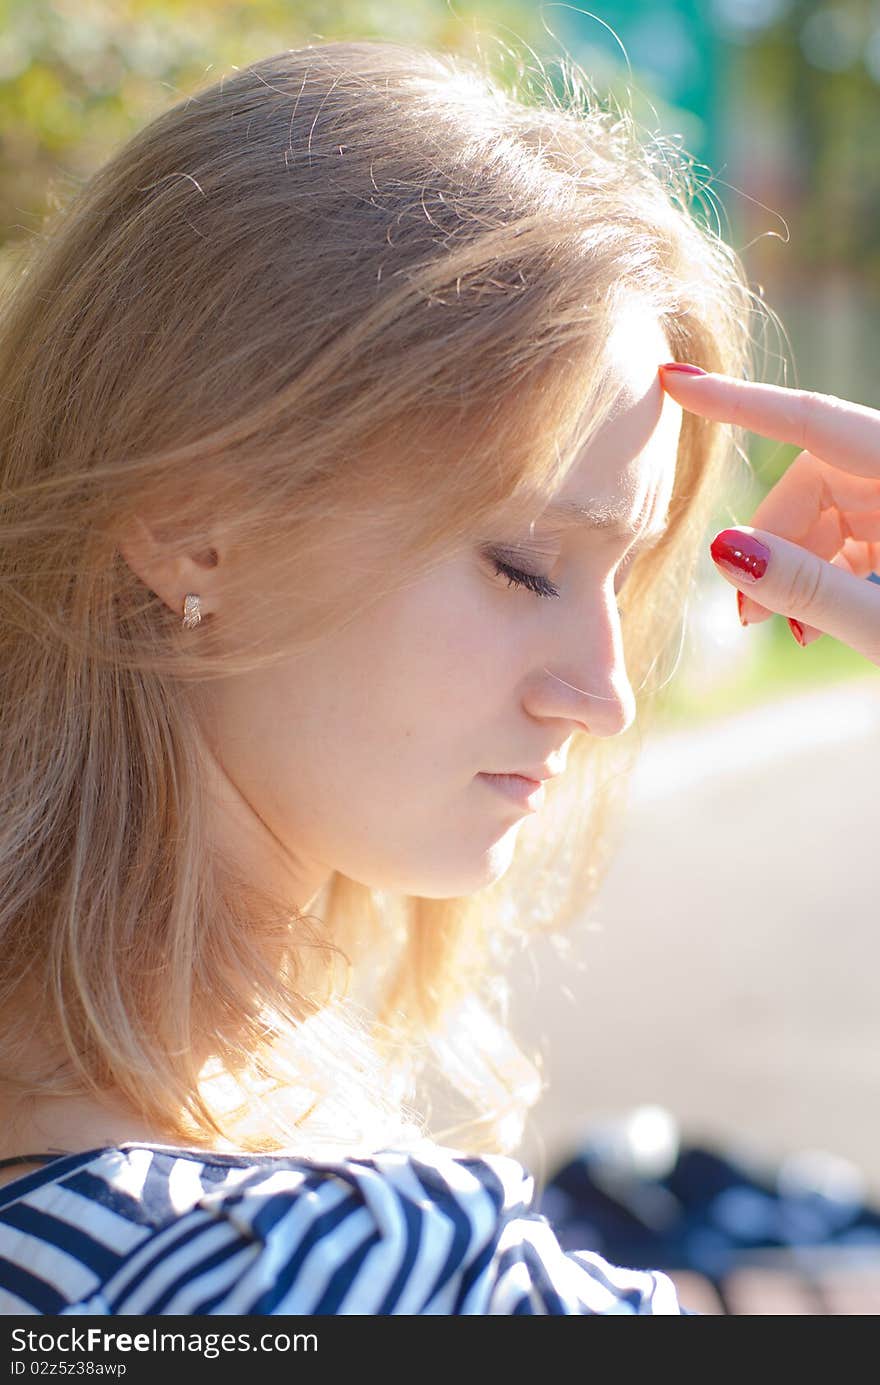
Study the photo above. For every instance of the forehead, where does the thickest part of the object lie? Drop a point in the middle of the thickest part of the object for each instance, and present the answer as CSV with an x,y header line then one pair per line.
x,y
624,475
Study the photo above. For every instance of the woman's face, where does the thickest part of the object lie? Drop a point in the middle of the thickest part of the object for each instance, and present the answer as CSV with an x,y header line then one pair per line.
x,y
364,754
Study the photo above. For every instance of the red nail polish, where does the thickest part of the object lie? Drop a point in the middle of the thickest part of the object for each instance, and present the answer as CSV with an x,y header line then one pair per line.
x,y
742,554
683,368
797,630
739,607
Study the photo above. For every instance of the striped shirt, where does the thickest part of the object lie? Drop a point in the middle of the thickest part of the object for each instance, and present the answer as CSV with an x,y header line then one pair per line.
x,y
153,1229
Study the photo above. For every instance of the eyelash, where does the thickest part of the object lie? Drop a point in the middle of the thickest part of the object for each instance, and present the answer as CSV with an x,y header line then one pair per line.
x,y
541,586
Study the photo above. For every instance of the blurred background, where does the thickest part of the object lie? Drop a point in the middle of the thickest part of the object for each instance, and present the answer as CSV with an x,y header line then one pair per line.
x,y
727,975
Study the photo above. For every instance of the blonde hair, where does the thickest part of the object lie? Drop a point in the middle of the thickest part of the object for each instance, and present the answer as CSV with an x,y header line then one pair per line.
x,y
355,279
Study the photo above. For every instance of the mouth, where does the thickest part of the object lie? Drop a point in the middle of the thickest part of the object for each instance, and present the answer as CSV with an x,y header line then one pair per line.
x,y
528,793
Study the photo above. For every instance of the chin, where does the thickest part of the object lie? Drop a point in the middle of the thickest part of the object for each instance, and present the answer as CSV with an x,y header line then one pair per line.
x,y
455,880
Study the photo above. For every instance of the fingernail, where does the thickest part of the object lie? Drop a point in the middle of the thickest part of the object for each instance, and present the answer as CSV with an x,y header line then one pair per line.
x,y
797,630
739,607
684,369
742,554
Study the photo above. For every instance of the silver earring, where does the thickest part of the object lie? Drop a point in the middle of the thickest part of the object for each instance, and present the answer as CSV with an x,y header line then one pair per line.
x,y
192,614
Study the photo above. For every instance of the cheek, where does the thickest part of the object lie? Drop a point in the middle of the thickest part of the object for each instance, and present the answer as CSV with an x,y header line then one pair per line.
x,y
430,649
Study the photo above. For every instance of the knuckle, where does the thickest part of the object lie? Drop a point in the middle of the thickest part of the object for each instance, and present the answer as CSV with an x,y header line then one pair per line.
x,y
806,586
814,409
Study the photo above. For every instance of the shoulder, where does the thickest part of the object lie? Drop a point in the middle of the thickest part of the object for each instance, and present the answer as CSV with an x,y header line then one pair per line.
x,y
420,1230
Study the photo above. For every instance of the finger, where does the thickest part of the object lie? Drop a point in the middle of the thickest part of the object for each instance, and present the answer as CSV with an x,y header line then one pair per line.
x,y
852,558
810,489
817,507
842,433
807,487
855,558
825,537
795,583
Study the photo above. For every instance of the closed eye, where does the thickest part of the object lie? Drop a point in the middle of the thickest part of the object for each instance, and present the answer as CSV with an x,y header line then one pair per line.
x,y
542,586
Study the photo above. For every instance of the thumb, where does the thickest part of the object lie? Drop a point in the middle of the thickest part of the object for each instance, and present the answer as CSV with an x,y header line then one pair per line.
x,y
796,583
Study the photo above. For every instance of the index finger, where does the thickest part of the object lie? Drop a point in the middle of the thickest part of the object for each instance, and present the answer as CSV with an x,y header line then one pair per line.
x,y
844,434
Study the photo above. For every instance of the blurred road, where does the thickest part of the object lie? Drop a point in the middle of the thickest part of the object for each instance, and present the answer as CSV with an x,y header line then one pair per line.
x,y
730,967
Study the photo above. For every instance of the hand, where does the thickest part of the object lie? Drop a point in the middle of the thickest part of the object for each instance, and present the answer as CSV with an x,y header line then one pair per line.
x,y
820,522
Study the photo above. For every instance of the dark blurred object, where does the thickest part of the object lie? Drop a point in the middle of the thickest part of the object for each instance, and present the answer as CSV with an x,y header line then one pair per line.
x,y
642,1198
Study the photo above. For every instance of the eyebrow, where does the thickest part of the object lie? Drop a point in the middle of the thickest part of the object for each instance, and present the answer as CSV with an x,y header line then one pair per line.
x,y
598,516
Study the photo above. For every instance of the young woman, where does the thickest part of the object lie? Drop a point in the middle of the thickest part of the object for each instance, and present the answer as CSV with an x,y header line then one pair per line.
x,y
341,504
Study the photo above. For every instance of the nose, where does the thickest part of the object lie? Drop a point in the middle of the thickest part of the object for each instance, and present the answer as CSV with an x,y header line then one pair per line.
x,y
600,713
586,681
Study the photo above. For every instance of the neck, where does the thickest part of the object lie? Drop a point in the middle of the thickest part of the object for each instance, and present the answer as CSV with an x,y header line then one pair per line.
x,y
70,1125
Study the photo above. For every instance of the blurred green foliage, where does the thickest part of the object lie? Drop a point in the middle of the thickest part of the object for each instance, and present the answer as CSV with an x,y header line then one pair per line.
x,y
813,78
78,77
781,670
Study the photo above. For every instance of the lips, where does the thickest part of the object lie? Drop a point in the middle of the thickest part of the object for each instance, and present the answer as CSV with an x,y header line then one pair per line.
x,y
537,773
535,776
528,793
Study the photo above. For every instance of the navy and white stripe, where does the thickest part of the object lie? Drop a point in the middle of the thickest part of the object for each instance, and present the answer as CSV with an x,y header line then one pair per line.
x,y
150,1229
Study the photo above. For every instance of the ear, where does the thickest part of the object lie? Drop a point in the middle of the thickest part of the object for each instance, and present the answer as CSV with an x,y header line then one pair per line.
x,y
170,575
